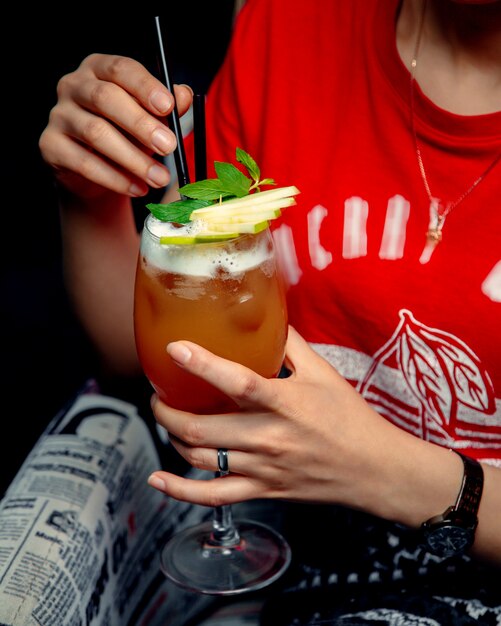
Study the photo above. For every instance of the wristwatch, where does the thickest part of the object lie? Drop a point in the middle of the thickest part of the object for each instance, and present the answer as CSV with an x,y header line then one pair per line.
x,y
453,532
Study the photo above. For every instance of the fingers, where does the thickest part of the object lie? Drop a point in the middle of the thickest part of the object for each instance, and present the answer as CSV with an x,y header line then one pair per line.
x,y
102,140
107,91
206,458
110,109
109,102
67,156
135,79
300,358
216,492
238,382
241,431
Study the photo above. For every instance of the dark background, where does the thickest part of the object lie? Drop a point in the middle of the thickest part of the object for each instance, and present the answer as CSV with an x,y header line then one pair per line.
x,y
45,355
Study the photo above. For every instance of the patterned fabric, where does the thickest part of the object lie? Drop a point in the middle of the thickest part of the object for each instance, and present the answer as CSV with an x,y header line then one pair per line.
x,y
355,569
234,613
399,608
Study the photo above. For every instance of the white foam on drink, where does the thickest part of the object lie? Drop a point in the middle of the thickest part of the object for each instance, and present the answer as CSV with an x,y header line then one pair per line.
x,y
199,259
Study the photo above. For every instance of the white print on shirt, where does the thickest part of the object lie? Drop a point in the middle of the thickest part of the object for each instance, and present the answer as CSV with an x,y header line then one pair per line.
x,y
356,212
393,241
320,257
428,382
286,253
491,287
354,244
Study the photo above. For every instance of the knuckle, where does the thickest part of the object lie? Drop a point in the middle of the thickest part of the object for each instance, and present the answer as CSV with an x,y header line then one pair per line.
x,y
64,84
273,447
192,433
144,122
48,145
101,93
247,386
197,457
57,120
120,65
44,144
214,499
275,442
94,130
87,167
91,59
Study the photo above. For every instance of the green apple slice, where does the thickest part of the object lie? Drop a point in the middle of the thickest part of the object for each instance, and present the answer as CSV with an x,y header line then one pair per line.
x,y
273,198
246,227
268,211
241,218
199,238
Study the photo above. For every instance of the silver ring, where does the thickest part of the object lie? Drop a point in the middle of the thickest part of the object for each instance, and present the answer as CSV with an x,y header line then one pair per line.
x,y
222,461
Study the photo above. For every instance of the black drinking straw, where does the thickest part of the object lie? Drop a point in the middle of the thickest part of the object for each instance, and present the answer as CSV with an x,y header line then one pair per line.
x,y
173,119
199,136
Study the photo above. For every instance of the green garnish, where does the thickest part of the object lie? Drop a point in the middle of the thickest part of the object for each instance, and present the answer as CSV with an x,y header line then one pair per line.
x,y
230,183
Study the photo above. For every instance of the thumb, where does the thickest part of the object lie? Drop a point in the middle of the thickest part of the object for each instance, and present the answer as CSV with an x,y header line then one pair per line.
x,y
300,357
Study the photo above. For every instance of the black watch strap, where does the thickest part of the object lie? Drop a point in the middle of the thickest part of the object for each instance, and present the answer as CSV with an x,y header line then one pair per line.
x,y
468,499
453,532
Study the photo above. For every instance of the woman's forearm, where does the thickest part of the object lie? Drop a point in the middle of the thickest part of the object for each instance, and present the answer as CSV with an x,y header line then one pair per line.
x,y
100,247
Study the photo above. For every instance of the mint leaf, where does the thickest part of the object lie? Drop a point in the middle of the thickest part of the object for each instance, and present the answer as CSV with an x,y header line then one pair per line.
x,y
230,183
177,212
232,179
251,165
210,189
253,169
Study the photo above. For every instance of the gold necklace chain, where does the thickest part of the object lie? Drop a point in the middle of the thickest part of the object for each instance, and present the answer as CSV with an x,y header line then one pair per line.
x,y
438,212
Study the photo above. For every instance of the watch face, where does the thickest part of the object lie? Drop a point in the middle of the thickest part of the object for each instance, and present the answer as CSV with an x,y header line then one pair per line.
x,y
449,540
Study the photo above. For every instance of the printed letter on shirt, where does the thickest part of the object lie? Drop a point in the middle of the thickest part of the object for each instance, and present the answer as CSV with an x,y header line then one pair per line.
x,y
284,242
356,211
320,257
393,241
491,286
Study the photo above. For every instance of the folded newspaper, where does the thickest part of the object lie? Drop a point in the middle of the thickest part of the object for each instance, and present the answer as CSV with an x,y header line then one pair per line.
x,y
81,531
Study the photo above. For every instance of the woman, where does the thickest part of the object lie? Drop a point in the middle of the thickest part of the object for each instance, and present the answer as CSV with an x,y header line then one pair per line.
x,y
386,116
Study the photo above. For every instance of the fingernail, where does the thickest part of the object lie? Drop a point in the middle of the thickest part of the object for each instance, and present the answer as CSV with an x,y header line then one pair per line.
x,y
157,483
161,101
161,141
153,399
187,87
179,353
136,190
157,176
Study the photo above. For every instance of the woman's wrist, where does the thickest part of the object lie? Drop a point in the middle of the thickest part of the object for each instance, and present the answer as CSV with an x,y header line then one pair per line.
x,y
102,204
419,480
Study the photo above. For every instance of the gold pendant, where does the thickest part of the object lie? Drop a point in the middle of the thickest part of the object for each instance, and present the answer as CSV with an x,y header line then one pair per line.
x,y
434,232
434,236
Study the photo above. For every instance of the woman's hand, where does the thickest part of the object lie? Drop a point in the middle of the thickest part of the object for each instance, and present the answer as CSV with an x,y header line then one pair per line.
x,y
309,437
107,123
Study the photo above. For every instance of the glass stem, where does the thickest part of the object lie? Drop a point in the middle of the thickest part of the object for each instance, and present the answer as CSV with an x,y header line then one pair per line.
x,y
224,532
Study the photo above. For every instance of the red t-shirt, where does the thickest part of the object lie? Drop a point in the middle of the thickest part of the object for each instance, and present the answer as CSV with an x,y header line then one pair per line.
x,y
317,93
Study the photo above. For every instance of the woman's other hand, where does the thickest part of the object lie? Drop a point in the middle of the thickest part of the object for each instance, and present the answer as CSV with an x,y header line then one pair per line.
x,y
108,121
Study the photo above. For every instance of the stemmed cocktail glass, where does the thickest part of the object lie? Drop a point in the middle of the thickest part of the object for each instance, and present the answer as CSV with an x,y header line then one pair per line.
x,y
228,297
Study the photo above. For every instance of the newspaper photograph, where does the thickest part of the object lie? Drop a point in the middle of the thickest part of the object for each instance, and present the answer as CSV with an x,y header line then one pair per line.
x,y
81,531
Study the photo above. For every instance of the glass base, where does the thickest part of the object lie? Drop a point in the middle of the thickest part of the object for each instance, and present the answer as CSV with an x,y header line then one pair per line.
x,y
192,561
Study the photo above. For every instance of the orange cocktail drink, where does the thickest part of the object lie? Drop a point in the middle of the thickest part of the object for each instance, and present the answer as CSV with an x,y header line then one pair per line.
x,y
226,296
